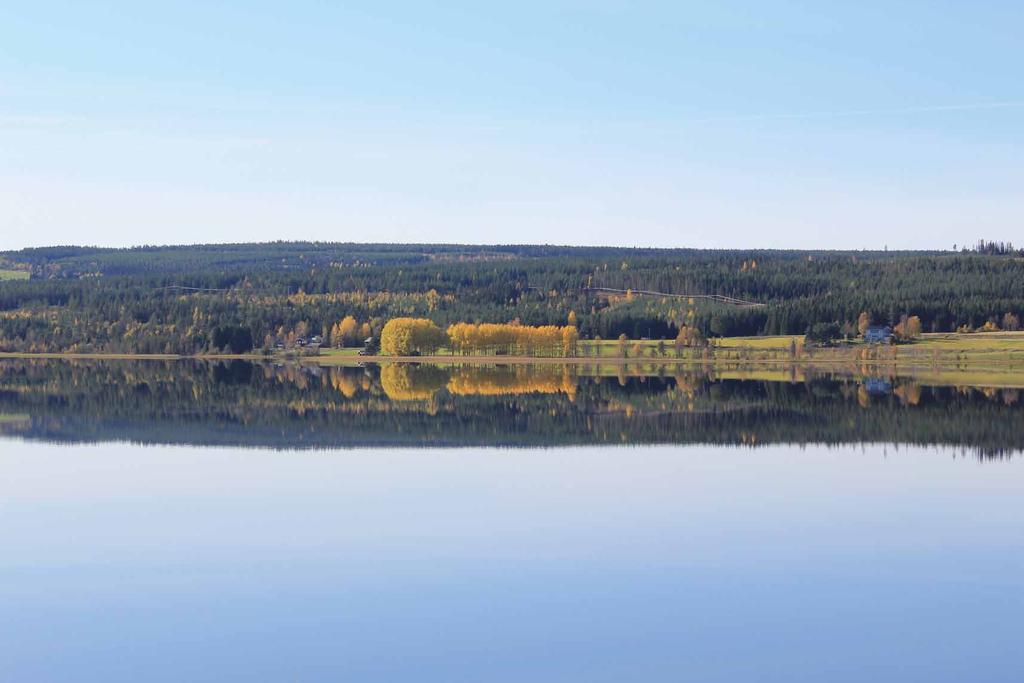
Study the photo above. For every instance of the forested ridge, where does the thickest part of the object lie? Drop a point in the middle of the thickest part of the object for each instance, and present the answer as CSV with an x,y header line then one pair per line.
x,y
192,299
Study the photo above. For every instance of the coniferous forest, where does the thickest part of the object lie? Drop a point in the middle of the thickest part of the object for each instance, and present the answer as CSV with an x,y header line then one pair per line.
x,y
194,299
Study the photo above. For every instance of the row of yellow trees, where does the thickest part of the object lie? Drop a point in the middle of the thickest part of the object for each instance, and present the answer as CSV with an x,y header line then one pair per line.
x,y
406,336
514,340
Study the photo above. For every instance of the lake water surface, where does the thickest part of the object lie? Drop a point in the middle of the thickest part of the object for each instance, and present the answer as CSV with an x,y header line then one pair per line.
x,y
188,521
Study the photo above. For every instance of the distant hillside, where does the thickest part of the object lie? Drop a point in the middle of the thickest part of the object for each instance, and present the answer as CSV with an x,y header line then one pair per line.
x,y
175,298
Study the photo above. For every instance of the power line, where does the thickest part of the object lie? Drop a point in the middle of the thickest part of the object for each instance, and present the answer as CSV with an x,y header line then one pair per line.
x,y
721,298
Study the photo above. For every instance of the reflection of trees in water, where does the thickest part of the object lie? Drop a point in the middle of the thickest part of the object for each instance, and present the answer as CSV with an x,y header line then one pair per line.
x,y
305,406
412,382
407,382
500,381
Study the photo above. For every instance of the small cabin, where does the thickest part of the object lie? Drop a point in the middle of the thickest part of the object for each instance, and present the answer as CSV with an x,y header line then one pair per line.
x,y
878,335
369,347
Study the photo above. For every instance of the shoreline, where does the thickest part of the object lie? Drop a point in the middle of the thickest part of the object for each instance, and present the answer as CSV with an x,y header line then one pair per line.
x,y
971,358
1003,350
973,372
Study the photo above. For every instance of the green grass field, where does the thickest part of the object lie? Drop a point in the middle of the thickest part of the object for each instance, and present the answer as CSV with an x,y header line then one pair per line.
x,y
778,342
653,348
949,348
13,274
979,341
340,353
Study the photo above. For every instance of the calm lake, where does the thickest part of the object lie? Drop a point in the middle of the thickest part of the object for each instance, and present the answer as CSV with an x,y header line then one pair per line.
x,y
188,521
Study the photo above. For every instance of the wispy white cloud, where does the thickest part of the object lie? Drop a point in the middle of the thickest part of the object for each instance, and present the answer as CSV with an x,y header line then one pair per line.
x,y
862,112
32,121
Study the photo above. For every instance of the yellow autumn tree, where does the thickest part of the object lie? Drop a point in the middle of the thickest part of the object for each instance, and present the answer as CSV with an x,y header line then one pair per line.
x,y
344,333
863,322
689,336
570,340
433,298
913,327
908,328
407,336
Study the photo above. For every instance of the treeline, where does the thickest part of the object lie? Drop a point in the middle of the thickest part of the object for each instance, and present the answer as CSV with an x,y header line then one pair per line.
x,y
173,299
513,339
997,248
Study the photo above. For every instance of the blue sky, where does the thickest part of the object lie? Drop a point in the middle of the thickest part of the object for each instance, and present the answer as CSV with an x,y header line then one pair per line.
x,y
725,124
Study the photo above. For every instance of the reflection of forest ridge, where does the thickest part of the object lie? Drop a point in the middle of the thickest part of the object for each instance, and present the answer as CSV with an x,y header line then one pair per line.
x,y
307,406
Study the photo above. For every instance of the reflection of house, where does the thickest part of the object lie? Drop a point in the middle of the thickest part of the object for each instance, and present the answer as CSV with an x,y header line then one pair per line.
x,y
878,335
875,385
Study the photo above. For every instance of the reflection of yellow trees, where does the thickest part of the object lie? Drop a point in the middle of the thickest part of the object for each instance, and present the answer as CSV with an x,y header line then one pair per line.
x,y
569,384
344,382
411,382
513,339
909,394
511,381
863,397
297,377
687,385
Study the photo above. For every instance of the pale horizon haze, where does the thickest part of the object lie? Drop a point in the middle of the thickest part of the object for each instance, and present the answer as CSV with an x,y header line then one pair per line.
x,y
669,124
